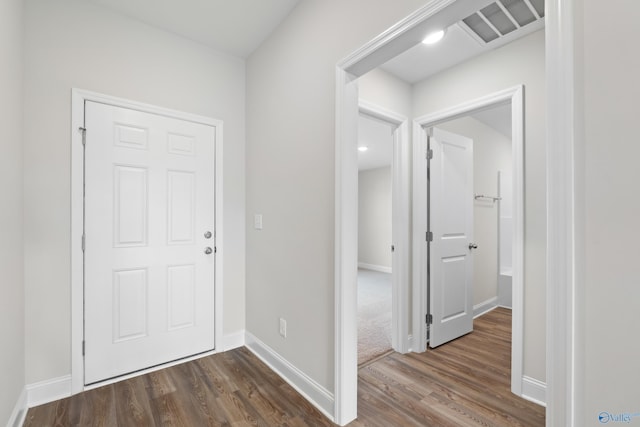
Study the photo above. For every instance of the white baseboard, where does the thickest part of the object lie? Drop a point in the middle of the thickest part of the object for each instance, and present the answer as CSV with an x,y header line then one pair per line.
x,y
316,394
485,307
235,340
58,388
47,391
380,268
534,390
19,411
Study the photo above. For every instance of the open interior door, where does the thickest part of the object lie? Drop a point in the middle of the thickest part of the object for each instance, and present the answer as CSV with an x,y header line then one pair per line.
x,y
451,248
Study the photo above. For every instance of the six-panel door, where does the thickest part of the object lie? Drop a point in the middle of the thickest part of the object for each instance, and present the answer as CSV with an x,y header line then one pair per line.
x,y
149,202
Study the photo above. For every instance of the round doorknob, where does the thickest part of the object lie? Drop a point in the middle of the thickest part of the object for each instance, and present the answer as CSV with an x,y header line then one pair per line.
x,y
208,250
207,235
473,246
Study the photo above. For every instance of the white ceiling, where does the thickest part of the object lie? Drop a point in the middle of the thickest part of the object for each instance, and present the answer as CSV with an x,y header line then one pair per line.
x,y
378,137
459,44
422,61
234,26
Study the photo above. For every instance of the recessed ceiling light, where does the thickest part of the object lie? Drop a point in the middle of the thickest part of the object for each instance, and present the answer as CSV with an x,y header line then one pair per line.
x,y
363,148
434,37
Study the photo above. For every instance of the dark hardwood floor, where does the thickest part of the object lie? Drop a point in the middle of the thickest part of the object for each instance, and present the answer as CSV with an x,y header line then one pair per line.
x,y
463,383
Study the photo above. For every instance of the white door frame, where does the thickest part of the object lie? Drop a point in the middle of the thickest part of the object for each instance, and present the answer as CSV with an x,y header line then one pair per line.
x,y
78,98
565,296
514,96
401,228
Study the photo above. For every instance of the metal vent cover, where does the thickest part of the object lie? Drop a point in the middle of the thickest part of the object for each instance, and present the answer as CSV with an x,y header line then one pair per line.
x,y
503,17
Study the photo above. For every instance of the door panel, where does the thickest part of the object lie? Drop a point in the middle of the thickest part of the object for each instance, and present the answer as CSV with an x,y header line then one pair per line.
x,y
451,222
149,199
130,304
130,206
181,286
181,207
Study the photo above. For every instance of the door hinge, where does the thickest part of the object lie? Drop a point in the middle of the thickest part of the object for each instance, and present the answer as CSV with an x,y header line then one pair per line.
x,y
84,135
429,236
83,348
429,319
429,154
83,243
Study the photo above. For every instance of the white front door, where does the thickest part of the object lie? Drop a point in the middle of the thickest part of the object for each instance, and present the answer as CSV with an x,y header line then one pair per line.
x,y
451,222
149,240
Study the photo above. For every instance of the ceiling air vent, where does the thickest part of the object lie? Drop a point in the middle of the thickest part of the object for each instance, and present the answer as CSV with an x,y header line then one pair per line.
x,y
502,18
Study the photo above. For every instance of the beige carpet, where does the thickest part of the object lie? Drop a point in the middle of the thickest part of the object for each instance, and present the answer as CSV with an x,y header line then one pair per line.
x,y
374,314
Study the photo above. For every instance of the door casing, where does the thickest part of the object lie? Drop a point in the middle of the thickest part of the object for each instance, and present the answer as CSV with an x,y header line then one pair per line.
x,y
78,98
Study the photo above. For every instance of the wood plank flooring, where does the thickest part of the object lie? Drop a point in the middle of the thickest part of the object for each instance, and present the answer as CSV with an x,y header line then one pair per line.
x,y
463,383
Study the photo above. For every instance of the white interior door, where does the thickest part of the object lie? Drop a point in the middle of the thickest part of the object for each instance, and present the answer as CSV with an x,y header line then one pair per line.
x,y
451,222
149,218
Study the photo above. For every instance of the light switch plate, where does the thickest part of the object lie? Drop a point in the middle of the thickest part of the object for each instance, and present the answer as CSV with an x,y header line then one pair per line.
x,y
257,221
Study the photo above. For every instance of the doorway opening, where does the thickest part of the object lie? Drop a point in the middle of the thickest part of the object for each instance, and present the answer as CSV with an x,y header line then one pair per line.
x,y
426,251
383,248
383,232
396,40
375,143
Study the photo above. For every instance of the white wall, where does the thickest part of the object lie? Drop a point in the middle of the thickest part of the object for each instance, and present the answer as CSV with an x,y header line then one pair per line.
x,y
290,174
377,136
491,153
374,217
386,90
610,93
11,197
521,62
76,44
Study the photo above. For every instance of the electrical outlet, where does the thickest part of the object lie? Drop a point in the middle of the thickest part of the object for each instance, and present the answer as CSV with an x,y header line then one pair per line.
x,y
283,327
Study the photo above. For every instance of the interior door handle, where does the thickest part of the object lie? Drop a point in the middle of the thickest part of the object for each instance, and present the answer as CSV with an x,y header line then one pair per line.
x,y
208,250
473,246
